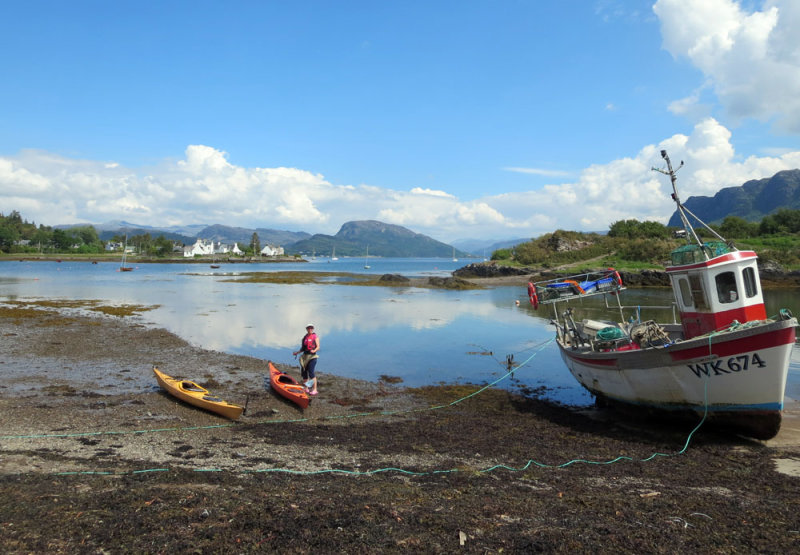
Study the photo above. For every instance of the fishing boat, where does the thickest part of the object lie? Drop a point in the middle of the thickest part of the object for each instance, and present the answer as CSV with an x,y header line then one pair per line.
x,y
722,357
197,395
285,385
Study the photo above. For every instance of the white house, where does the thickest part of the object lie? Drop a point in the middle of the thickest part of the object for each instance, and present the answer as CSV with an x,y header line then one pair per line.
x,y
201,247
269,250
219,248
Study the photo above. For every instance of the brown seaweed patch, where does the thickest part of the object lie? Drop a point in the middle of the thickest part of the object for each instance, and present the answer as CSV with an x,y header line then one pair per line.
x,y
451,283
23,309
19,313
62,303
299,277
56,321
445,394
67,390
123,310
347,278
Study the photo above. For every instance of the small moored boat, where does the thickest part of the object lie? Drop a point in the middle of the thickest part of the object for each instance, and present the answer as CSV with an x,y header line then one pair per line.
x,y
122,266
726,358
194,394
285,385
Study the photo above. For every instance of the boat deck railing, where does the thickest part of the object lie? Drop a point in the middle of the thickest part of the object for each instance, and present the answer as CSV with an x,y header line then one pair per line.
x,y
578,286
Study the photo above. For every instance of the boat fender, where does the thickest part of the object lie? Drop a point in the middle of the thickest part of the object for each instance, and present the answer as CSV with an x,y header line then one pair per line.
x,y
532,296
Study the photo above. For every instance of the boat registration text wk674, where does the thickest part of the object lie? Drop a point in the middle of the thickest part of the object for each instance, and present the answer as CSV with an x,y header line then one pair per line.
x,y
720,366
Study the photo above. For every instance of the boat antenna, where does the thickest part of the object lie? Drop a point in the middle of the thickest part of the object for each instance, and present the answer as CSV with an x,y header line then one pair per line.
x,y
671,173
682,210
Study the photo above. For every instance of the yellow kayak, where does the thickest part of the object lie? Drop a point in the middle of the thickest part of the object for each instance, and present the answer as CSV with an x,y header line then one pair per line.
x,y
194,394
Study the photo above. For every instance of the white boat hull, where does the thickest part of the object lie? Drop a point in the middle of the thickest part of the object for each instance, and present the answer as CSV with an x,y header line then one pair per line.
x,y
737,375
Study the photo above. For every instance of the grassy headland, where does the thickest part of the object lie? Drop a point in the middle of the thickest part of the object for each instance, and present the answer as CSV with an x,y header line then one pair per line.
x,y
633,251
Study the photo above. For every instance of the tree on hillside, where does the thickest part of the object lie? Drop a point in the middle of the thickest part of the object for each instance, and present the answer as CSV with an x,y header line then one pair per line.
x,y
41,237
788,220
734,227
13,229
633,228
161,247
61,240
502,254
8,236
255,244
87,234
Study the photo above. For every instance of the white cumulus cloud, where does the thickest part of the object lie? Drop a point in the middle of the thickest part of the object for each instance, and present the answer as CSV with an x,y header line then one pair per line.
x,y
750,58
205,187
628,188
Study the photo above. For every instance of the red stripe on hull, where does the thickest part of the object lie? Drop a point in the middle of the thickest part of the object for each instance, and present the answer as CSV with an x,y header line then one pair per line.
x,y
593,361
738,345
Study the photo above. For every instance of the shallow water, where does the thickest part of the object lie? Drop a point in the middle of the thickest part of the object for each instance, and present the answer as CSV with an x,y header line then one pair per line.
x,y
424,336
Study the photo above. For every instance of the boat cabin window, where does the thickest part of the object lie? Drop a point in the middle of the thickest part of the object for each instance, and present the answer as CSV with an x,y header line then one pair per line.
x,y
750,287
698,295
686,292
726,287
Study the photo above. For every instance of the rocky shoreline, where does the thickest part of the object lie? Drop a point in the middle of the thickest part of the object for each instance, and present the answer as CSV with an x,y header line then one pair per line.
x,y
772,275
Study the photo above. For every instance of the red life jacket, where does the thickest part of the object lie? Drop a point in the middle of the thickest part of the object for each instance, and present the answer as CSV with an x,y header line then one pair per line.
x,y
309,342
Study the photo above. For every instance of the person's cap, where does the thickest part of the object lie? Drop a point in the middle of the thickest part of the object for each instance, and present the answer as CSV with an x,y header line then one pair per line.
x,y
309,327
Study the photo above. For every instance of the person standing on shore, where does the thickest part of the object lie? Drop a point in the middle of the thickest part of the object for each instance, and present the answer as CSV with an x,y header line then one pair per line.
x,y
309,346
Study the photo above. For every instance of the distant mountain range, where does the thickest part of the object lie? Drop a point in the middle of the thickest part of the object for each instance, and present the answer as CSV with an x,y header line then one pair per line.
x,y
353,239
751,201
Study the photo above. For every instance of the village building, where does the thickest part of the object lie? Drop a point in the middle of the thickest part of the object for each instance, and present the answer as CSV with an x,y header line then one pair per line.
x,y
270,250
203,247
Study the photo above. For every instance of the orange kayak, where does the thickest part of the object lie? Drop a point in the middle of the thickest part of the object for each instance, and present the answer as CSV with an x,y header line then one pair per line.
x,y
196,395
285,385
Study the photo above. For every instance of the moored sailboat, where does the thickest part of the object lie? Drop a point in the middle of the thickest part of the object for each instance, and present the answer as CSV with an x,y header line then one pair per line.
x,y
725,359
122,266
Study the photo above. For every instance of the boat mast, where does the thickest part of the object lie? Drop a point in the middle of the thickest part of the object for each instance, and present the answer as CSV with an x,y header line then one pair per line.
x,y
124,249
682,210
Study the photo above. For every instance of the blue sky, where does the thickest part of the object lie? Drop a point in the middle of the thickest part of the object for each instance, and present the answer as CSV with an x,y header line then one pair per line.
x,y
455,119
